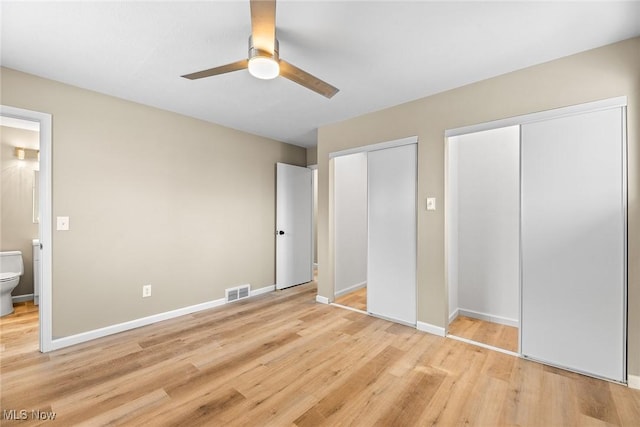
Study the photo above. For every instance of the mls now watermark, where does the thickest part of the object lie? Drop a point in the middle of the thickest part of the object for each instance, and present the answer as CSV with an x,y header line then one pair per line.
x,y
23,415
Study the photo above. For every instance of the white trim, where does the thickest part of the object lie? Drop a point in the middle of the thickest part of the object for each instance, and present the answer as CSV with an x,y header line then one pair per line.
x,y
577,371
453,316
45,229
17,123
625,222
351,288
375,147
489,317
429,328
479,344
604,104
349,308
266,289
392,319
322,300
21,298
633,381
59,343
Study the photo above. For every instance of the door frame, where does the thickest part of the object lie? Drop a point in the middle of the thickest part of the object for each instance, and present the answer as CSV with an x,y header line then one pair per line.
x,y
46,216
331,220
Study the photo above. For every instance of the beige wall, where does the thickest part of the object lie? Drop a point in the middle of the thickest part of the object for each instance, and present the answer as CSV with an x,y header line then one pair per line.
x,y
602,73
312,156
153,198
17,228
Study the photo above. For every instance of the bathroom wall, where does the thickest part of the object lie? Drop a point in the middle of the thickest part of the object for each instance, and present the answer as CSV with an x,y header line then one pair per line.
x,y
602,73
17,228
154,198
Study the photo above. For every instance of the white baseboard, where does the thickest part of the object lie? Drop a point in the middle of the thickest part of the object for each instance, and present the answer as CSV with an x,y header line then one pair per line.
x,y
489,317
432,329
322,300
453,315
633,381
22,298
351,288
59,343
264,290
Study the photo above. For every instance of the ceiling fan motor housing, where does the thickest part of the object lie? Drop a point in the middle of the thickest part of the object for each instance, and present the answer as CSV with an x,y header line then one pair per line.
x,y
263,64
255,52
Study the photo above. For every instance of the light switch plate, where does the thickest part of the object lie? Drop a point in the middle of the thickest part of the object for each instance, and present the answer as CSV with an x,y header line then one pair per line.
x,y
62,223
431,203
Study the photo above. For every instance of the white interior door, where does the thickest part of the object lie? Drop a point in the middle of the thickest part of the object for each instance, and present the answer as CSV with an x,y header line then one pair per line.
x,y
573,242
391,270
294,225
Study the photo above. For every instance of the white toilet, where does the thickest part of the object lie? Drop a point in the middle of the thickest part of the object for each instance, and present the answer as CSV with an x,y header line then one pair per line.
x,y
11,268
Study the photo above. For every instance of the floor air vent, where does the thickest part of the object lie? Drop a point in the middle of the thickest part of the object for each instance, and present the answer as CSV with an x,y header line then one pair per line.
x,y
240,292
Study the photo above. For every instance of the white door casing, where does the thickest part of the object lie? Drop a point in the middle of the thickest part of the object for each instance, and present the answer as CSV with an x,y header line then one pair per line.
x,y
45,315
294,225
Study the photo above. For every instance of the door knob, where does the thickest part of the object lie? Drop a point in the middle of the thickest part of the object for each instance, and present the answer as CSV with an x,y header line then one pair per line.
x,y
281,232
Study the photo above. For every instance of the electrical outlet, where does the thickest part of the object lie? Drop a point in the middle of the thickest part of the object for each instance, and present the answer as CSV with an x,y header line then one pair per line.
x,y
146,291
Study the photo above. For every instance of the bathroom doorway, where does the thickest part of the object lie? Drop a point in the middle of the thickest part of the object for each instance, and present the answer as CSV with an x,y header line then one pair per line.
x,y
26,174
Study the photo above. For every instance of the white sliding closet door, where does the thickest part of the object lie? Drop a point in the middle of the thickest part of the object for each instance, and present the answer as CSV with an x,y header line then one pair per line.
x,y
573,242
391,271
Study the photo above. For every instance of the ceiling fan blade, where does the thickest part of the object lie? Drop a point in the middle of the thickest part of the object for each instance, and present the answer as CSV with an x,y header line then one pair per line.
x,y
263,24
234,66
305,79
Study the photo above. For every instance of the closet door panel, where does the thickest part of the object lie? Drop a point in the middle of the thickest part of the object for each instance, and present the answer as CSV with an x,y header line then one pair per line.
x,y
573,243
391,270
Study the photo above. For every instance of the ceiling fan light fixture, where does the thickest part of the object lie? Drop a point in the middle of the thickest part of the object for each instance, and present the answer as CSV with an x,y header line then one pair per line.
x,y
264,67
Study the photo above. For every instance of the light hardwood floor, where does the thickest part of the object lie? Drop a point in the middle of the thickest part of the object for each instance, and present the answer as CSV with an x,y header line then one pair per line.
x,y
356,299
281,359
493,334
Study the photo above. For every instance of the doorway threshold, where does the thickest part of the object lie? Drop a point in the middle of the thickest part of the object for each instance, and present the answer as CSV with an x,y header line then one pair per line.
x,y
483,345
349,308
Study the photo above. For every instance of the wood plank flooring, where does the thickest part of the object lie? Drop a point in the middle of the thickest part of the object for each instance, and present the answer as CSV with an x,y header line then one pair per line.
x,y
356,299
493,334
280,359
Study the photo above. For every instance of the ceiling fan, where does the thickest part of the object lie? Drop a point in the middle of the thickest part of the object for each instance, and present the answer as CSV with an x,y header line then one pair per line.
x,y
264,61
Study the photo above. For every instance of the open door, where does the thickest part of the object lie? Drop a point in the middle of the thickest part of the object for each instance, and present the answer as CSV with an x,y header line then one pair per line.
x,y
294,225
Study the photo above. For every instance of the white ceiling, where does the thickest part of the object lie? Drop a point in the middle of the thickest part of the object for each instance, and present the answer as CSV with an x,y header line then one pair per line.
x,y
378,54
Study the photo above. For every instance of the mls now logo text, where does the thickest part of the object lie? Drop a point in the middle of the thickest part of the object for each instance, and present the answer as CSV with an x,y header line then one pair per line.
x,y
23,414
